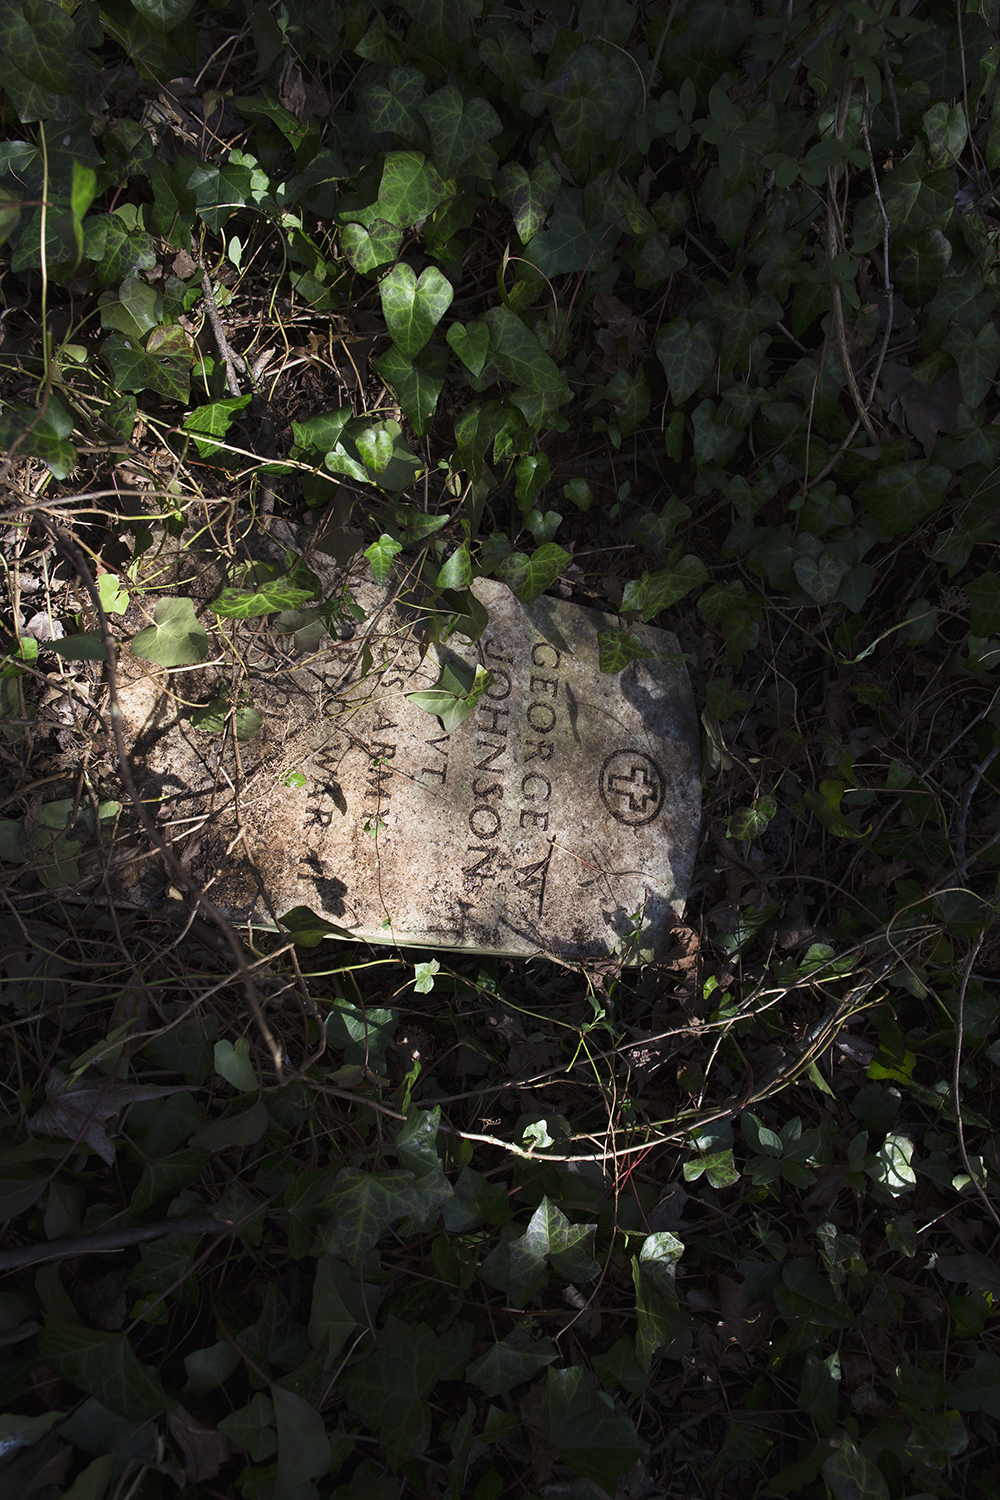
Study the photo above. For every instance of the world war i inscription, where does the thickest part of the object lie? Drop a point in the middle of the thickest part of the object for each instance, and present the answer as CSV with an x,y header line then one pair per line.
x,y
560,817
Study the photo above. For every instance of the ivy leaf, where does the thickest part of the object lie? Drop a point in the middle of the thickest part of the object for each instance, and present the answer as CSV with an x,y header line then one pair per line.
x,y
529,195
528,577
520,357
303,1446
853,1476
136,310
164,14
914,197
234,1065
984,595
471,342
41,54
163,367
892,1165
978,1389
40,434
375,444
114,599
905,495
340,1303
507,1365
306,929
79,648
582,102
252,1426
263,599
418,383
394,107
175,639
566,243
363,1205
714,439
742,318
958,299
382,554
656,591
120,252
243,1128
458,126
424,975
363,1033
550,1235
456,573
804,1294
456,694
475,429
106,1367
820,579
411,189
413,308
368,249
718,1166
215,418
977,356
321,433
387,1391
166,1176
687,354
616,648
588,1433
475,1200
508,53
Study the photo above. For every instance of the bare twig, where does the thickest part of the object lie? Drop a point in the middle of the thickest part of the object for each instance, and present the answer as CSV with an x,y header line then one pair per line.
x,y
109,1240
235,363
978,772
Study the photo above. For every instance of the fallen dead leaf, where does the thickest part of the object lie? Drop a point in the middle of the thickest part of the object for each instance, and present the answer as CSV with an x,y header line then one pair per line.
x,y
304,98
37,1473
542,1457
979,1272
82,1109
203,1448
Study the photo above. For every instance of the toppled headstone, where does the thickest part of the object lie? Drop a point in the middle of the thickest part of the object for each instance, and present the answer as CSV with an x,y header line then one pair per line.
x,y
560,817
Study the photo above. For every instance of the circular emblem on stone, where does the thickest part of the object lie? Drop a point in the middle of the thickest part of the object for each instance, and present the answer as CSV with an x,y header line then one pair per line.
x,y
632,787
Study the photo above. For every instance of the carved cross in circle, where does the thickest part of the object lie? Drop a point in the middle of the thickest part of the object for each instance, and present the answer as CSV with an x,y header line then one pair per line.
x,y
632,787
639,787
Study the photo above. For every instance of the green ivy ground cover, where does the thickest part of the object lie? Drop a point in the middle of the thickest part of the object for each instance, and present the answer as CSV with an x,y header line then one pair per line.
x,y
688,309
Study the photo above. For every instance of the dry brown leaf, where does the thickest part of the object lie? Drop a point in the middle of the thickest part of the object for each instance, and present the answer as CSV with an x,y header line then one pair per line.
x,y
103,1301
204,1450
739,1324
82,1109
979,1272
304,98
866,1402
542,1458
38,1472
669,1211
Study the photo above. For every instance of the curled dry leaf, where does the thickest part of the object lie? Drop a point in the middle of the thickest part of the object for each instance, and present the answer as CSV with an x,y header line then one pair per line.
x,y
204,1449
86,1109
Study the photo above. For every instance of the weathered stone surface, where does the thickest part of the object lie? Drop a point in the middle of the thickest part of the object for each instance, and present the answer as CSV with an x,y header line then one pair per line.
x,y
561,817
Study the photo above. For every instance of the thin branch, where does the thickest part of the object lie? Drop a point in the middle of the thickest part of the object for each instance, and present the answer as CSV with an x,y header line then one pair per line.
x,y
109,1240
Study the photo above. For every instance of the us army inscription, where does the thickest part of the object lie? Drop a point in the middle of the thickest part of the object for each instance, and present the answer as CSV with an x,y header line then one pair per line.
x,y
561,817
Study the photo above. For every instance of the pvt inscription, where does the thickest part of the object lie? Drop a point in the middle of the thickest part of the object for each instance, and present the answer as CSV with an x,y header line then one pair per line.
x,y
561,817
